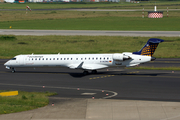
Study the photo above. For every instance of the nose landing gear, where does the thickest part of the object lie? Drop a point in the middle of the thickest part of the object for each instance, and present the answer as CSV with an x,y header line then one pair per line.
x,y
13,70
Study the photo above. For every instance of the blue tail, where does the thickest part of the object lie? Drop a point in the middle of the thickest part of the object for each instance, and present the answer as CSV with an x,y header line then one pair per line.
x,y
150,47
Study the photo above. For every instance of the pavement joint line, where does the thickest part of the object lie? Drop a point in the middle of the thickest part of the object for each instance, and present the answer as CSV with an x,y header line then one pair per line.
x,y
114,93
170,118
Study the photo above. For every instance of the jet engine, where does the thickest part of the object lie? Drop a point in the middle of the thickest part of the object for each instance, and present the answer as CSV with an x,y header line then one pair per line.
x,y
120,57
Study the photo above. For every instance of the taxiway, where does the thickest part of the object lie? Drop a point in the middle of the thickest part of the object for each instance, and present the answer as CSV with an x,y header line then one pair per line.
x,y
90,33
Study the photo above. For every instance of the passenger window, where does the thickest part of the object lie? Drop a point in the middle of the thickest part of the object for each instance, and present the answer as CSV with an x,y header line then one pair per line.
x,y
67,58
81,58
64,58
76,58
93,58
61,58
39,58
85,58
100,58
57,58
32,58
71,58
96,58
46,58
104,58
107,58
89,58
43,59
53,58
36,59
50,59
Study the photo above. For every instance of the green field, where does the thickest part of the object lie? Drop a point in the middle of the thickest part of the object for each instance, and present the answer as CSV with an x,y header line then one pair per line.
x,y
155,68
79,20
98,23
86,20
101,5
23,101
14,45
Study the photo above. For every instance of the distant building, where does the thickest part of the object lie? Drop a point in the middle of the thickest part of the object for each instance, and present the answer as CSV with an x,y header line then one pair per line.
x,y
1,0
114,0
35,0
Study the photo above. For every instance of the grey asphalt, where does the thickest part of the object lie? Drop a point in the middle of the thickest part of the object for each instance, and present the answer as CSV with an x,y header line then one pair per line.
x,y
90,33
116,94
117,83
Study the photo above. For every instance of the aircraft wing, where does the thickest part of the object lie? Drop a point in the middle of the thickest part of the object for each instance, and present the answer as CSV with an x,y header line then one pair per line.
x,y
87,66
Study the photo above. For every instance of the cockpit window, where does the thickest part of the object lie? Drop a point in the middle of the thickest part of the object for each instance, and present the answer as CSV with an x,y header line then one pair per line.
x,y
13,59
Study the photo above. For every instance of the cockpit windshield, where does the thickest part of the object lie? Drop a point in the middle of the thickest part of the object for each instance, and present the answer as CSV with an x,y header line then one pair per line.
x,y
13,59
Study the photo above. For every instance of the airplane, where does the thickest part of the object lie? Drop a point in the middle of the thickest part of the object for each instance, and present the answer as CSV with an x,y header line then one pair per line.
x,y
86,62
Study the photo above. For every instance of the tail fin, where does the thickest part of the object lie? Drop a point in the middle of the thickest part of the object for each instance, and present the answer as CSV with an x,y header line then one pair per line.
x,y
150,47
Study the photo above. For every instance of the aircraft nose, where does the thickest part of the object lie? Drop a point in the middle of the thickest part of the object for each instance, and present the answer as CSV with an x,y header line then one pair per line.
x,y
6,64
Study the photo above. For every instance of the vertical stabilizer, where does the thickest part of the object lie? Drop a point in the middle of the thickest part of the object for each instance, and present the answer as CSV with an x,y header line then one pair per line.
x,y
150,47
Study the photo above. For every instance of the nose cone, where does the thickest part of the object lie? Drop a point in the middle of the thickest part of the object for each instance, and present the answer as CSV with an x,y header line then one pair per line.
x,y
6,64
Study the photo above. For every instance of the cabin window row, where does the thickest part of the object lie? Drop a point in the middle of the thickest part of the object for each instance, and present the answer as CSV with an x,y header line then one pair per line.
x,y
105,58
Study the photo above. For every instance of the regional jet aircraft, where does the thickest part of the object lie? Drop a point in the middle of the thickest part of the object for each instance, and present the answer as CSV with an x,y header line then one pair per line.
x,y
86,62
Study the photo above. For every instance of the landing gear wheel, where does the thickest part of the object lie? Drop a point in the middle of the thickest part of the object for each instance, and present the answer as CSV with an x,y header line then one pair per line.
x,y
94,71
85,72
13,70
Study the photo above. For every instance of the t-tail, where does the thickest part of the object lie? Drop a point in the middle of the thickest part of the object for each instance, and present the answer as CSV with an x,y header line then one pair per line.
x,y
150,47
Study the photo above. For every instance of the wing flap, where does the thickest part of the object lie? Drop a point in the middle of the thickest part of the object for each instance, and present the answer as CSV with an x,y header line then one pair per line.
x,y
87,66
93,66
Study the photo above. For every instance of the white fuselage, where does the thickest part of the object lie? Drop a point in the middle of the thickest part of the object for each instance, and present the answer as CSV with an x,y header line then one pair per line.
x,y
77,61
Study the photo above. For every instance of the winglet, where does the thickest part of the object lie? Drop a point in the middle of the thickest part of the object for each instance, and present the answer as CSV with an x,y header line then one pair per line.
x,y
150,47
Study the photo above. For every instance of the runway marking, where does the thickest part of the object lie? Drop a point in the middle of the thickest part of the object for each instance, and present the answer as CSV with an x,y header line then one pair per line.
x,y
88,93
106,76
114,93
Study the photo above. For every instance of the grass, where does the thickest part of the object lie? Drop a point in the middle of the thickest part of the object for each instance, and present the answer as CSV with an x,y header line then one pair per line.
x,y
156,68
55,15
101,5
24,101
84,44
89,20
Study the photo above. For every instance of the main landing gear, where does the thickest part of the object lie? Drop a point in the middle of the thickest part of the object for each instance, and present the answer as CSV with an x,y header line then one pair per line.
x,y
93,72
85,72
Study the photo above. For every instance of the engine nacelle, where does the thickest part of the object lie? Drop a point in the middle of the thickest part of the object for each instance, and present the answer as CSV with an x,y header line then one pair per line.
x,y
118,57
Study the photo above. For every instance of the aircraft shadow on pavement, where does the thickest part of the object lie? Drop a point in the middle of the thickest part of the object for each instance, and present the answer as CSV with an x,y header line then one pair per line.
x,y
100,73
